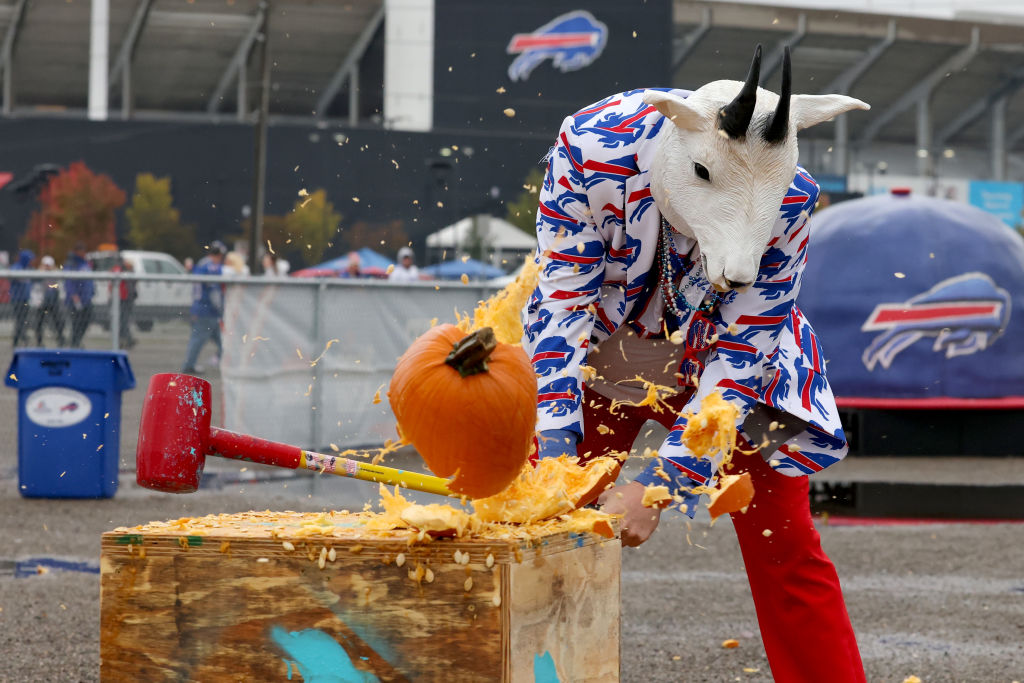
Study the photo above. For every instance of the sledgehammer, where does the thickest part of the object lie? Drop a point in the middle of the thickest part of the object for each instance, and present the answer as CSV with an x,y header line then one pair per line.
x,y
175,437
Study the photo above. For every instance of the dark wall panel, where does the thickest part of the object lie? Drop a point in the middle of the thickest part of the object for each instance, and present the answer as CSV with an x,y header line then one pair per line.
x,y
472,59
372,176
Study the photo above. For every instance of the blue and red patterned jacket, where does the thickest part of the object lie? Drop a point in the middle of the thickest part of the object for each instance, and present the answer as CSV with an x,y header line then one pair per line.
x,y
597,234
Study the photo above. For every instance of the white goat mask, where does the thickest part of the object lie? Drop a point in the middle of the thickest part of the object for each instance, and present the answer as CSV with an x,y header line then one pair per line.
x,y
721,170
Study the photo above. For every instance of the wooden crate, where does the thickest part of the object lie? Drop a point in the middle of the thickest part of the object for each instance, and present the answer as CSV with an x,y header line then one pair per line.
x,y
260,602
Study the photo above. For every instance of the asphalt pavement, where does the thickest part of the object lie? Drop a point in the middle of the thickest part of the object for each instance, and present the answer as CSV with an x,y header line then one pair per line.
x,y
943,601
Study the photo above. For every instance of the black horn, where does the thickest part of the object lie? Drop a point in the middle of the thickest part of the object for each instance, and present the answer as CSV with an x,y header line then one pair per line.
x,y
778,123
735,116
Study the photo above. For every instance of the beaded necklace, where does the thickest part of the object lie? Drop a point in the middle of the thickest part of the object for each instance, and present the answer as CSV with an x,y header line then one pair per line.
x,y
670,293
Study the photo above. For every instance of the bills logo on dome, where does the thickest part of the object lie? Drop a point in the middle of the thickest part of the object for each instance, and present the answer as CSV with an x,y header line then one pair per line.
x,y
964,314
572,41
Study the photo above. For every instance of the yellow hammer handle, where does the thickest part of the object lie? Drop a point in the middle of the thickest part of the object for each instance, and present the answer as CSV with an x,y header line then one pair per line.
x,y
344,467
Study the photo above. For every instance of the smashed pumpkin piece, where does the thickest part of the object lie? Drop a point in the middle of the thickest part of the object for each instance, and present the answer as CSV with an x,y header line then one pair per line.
x,y
655,398
443,520
656,497
555,486
438,519
591,521
501,311
733,494
712,431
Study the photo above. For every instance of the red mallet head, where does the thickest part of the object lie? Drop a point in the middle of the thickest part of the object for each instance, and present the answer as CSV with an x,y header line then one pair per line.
x,y
174,433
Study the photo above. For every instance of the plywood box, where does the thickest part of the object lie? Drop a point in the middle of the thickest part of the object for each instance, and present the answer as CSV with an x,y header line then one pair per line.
x,y
266,597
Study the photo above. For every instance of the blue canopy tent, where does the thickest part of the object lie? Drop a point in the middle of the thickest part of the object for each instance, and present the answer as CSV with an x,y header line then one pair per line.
x,y
371,264
456,268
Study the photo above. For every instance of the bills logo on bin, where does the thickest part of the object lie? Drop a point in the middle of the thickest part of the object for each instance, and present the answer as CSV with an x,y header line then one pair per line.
x,y
964,314
57,407
572,41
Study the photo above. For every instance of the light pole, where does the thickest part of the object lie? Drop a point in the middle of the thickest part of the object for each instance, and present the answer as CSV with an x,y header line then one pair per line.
x,y
260,171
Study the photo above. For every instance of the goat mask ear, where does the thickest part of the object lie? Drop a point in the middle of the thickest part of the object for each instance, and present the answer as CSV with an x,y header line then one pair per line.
x,y
676,109
809,110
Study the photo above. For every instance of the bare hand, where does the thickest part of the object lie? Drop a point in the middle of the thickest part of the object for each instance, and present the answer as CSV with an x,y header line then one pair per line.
x,y
638,522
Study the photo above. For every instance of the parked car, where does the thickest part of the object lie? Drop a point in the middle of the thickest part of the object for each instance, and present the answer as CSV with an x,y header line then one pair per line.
x,y
157,301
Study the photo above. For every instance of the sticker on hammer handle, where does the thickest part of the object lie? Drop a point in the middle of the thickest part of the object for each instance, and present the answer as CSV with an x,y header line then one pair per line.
x,y
320,462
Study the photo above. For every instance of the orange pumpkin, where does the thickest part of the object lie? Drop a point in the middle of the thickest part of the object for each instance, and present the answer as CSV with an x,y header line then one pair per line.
x,y
468,404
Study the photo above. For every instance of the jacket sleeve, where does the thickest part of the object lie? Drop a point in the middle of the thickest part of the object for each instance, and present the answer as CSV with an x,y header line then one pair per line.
x,y
559,316
748,326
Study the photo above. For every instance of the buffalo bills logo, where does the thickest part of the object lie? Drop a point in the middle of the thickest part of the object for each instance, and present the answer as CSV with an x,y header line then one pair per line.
x,y
559,397
551,355
581,257
624,254
69,407
572,41
964,314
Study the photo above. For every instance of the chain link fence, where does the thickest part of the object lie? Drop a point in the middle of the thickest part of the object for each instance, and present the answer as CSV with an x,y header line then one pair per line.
x,y
302,360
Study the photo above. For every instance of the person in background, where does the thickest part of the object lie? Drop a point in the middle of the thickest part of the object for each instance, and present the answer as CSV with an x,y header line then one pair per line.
x,y
128,292
274,266
207,308
353,268
48,309
269,264
189,264
234,264
20,293
405,270
78,295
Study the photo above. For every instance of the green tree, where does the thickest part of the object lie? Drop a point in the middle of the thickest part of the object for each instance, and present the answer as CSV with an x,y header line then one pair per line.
x,y
312,224
77,205
154,223
522,213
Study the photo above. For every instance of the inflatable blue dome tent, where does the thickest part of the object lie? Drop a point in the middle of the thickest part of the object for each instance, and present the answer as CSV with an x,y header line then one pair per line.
x,y
919,304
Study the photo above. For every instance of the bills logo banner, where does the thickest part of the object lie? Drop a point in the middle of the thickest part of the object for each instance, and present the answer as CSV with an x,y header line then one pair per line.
x,y
572,41
964,314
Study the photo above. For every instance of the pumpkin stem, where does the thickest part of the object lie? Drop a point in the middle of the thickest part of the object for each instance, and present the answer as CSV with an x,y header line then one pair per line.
x,y
469,356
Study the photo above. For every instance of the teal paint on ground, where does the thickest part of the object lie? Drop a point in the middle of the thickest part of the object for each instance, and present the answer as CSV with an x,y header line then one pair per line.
x,y
544,669
319,658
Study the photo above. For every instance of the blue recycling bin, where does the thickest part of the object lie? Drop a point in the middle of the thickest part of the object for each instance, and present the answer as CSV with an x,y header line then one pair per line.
x,y
69,420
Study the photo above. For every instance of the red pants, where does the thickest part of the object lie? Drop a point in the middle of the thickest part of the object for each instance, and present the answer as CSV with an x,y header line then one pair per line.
x,y
800,610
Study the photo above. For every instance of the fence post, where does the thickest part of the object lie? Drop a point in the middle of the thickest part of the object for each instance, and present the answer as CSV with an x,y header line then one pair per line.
x,y
115,311
318,342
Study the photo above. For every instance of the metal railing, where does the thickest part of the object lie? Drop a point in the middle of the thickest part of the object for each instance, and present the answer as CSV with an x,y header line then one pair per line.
x,y
301,357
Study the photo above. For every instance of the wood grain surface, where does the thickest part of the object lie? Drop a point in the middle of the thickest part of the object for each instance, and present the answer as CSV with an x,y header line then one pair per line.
x,y
231,605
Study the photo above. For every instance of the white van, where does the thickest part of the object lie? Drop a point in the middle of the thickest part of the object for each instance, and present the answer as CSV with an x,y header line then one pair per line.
x,y
156,300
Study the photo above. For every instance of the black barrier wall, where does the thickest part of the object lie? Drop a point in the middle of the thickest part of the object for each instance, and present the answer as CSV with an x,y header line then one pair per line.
x,y
371,175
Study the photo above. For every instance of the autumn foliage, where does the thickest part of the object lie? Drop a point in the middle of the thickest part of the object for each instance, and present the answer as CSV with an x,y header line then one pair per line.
x,y
77,205
154,223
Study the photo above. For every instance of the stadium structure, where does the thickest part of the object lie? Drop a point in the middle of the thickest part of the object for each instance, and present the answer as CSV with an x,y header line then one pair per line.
x,y
420,112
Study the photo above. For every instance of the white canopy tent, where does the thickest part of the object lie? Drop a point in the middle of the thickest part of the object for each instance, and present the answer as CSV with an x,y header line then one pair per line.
x,y
500,239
